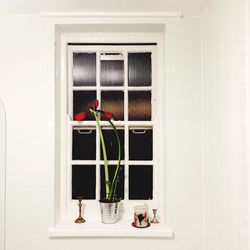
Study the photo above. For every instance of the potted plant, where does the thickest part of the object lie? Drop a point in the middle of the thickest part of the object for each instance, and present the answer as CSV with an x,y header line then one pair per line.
x,y
109,204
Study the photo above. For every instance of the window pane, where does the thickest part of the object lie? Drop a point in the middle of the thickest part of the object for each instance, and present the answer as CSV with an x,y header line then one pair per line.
x,y
140,144
111,143
139,106
140,182
84,69
82,100
113,101
120,184
139,69
84,144
83,181
112,69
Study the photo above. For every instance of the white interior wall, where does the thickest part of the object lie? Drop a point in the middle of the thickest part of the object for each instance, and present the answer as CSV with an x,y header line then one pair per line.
x,y
2,174
28,90
226,153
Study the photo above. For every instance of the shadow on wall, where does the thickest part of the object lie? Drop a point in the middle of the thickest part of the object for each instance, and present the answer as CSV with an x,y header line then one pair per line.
x,y
2,173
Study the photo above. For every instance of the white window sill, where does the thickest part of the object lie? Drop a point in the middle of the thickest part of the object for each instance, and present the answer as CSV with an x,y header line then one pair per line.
x,y
98,229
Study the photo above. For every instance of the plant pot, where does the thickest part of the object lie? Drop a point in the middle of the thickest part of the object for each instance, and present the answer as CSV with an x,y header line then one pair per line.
x,y
109,211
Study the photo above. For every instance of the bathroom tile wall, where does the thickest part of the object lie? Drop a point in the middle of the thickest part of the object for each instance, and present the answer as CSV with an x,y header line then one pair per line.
x,y
27,87
225,125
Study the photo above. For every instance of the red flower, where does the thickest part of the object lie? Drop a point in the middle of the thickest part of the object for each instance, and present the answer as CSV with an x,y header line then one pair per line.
x,y
82,115
107,115
96,103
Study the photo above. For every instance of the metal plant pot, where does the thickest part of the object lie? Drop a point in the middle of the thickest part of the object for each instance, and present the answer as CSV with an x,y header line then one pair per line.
x,y
109,211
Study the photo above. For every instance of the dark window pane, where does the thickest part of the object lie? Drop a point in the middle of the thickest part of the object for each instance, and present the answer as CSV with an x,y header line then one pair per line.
x,y
83,181
112,72
111,143
82,100
113,101
139,69
84,144
140,182
84,69
140,144
120,184
139,106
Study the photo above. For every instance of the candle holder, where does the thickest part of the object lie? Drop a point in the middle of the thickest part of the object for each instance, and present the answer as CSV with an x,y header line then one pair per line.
x,y
80,219
141,218
154,220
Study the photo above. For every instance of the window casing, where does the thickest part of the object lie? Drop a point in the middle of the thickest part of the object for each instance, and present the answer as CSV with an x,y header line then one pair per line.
x,y
143,126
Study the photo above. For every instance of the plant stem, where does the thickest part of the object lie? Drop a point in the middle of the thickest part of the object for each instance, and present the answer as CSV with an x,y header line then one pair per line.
x,y
106,171
115,178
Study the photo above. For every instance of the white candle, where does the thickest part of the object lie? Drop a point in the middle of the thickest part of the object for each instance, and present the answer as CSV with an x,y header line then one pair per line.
x,y
141,218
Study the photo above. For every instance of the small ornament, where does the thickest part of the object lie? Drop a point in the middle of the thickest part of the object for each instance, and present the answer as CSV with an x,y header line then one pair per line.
x,y
80,219
154,220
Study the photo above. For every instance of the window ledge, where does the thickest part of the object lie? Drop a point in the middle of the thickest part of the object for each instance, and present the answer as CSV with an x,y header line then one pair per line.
x,y
98,229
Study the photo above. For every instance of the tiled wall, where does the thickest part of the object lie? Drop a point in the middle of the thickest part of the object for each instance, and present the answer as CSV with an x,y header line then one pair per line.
x,y
225,125
2,173
27,88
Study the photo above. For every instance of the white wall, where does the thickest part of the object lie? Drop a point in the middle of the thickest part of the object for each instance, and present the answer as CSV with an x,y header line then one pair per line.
x,y
27,87
2,173
225,125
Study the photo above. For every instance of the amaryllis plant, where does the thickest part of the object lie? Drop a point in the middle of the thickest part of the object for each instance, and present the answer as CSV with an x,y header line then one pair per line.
x,y
110,185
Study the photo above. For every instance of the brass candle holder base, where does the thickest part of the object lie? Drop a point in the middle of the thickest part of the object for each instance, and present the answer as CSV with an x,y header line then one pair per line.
x,y
80,219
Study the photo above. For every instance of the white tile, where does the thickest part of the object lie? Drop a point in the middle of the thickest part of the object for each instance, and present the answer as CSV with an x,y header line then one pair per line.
x,y
2,198
186,221
29,153
30,175
188,198
40,242
25,222
2,241
29,198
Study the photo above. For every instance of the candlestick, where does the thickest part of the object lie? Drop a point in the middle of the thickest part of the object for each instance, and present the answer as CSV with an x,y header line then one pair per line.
x,y
154,220
80,219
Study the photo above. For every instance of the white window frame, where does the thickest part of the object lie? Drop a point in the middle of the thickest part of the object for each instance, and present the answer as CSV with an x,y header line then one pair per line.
x,y
128,205
68,209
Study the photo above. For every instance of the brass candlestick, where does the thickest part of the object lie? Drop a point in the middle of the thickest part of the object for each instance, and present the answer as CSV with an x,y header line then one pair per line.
x,y
80,219
154,220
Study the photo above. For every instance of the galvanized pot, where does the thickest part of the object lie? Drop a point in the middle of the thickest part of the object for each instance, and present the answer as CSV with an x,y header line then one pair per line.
x,y
109,211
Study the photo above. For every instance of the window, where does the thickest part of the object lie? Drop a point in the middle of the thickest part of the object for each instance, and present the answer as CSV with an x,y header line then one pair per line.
x,y
126,76
122,78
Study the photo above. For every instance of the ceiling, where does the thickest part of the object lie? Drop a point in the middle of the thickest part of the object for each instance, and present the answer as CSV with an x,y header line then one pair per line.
x,y
187,7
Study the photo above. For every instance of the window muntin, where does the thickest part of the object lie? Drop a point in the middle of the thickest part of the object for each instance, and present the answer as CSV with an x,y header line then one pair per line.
x,y
131,117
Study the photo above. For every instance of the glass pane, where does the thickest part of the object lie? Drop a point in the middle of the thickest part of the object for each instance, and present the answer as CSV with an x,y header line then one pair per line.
x,y
111,143
139,69
84,144
82,100
113,101
83,181
140,182
139,105
140,144
112,69
120,184
84,69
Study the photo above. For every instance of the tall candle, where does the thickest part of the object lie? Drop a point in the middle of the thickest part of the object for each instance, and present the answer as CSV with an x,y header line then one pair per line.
x,y
141,218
